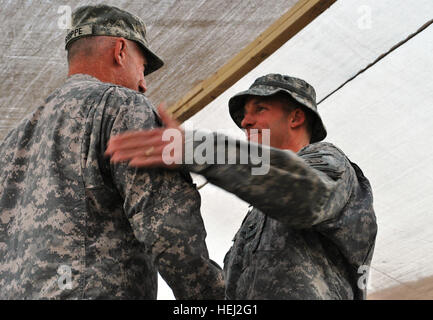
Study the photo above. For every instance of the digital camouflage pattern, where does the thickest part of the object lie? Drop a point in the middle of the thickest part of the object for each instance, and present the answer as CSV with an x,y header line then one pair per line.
x,y
63,204
311,228
270,84
104,20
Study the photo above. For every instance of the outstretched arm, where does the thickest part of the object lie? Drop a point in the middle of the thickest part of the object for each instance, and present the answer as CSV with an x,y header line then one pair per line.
x,y
163,208
299,190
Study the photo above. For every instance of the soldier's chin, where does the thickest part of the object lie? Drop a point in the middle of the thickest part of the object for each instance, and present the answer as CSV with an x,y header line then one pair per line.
x,y
256,138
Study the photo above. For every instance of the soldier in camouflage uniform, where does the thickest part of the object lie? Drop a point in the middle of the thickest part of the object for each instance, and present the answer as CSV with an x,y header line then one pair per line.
x,y
72,224
311,231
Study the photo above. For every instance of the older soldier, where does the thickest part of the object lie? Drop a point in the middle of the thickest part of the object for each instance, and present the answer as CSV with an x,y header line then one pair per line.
x,y
312,228
72,225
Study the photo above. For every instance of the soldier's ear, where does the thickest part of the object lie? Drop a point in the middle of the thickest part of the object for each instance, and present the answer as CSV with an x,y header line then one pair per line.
x,y
120,51
297,118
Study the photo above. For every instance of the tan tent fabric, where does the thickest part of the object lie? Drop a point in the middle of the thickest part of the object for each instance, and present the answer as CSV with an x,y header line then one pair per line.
x,y
194,38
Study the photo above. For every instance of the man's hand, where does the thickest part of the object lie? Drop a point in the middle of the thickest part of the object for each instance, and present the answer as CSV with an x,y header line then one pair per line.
x,y
146,148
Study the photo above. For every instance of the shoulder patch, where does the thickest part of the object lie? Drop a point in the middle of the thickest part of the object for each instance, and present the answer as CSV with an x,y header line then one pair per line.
x,y
326,158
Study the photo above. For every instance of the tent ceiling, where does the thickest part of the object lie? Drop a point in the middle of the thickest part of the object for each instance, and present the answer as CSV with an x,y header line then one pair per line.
x,y
194,38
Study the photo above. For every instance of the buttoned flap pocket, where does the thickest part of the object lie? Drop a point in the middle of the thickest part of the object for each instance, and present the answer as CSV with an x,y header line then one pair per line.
x,y
239,236
273,235
250,231
254,230
248,237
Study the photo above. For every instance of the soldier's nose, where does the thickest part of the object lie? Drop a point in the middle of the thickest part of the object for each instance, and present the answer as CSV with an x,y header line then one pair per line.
x,y
247,122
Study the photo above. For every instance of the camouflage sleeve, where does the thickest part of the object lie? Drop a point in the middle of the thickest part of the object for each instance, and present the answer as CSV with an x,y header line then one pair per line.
x,y
163,208
300,191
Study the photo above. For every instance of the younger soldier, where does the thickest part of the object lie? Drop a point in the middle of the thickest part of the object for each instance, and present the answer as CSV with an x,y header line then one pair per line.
x,y
312,229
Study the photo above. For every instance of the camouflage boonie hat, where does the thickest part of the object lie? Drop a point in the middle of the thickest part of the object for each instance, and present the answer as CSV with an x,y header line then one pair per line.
x,y
103,20
271,84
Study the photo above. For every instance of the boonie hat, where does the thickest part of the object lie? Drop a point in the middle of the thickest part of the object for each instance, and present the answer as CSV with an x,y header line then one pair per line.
x,y
103,20
271,84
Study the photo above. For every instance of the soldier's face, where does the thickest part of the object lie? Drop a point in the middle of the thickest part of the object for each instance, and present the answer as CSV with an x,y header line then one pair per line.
x,y
135,64
266,113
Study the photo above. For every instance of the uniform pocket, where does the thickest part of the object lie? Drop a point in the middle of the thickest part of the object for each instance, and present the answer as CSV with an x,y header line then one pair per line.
x,y
272,235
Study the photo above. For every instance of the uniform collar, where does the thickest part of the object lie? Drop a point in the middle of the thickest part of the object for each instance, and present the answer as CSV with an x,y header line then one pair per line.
x,y
81,77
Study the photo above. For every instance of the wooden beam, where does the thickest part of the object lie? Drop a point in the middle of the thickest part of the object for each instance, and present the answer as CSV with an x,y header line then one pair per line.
x,y
288,25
